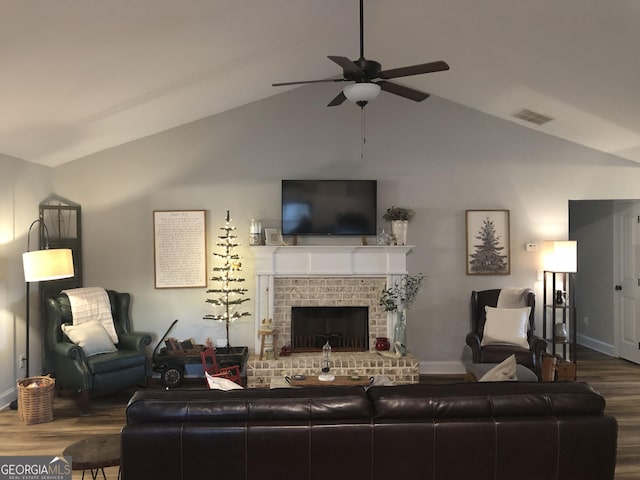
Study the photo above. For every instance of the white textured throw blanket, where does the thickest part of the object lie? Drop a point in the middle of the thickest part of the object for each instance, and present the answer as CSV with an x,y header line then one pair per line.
x,y
513,297
92,303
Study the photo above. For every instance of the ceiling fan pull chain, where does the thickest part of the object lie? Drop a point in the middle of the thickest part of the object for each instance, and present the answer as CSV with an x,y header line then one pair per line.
x,y
363,128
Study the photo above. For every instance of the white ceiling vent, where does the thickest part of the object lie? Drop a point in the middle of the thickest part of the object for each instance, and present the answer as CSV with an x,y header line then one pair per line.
x,y
532,117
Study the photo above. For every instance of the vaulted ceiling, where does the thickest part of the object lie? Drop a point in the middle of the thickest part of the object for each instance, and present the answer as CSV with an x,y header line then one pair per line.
x,y
80,76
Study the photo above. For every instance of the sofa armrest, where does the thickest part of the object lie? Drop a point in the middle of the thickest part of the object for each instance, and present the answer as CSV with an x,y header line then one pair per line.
x,y
473,341
134,341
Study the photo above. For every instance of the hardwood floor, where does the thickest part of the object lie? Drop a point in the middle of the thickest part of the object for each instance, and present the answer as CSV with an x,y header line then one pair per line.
x,y
617,380
67,427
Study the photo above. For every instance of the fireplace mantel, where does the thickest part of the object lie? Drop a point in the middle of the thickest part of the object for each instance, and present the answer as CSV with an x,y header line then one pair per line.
x,y
316,261
328,260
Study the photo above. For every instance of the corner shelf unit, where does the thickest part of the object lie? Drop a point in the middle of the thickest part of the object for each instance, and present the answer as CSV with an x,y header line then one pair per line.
x,y
560,311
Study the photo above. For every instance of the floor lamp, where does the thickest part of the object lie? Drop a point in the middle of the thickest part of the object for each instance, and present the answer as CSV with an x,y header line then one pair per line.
x,y
41,266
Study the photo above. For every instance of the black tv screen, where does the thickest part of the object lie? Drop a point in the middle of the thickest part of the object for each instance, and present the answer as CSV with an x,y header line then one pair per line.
x,y
329,207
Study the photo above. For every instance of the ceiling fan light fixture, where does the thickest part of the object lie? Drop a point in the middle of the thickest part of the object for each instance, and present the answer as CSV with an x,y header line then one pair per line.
x,y
361,92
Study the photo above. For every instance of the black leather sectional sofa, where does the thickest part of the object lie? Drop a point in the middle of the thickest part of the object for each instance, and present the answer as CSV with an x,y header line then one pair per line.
x,y
479,431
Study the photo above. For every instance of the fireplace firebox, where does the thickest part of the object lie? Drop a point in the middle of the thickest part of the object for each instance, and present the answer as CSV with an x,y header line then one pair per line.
x,y
345,328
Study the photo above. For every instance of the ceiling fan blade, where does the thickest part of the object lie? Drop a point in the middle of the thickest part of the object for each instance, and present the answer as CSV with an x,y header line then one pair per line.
x,y
308,81
346,64
430,67
338,100
401,90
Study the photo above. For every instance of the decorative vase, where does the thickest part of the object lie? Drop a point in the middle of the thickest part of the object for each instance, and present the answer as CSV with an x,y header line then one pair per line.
x,y
399,229
560,333
400,333
384,238
255,233
382,344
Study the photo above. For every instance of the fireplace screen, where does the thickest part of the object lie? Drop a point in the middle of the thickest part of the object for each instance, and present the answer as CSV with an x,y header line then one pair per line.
x,y
346,328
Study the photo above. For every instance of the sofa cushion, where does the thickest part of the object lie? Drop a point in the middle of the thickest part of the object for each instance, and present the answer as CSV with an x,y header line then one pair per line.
x,y
291,404
500,399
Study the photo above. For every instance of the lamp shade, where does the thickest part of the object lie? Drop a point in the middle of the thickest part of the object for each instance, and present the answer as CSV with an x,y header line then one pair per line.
x,y
361,92
560,256
50,264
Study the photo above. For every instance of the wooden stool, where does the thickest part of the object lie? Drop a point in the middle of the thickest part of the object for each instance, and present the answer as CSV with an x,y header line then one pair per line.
x,y
263,335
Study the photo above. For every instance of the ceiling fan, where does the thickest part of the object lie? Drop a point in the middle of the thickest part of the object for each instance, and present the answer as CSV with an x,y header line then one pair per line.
x,y
363,72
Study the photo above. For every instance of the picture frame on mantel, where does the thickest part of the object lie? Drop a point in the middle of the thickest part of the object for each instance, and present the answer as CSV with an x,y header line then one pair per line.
x,y
488,242
273,236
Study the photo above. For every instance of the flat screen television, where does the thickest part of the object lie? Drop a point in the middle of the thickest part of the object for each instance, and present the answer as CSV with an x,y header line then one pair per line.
x,y
329,207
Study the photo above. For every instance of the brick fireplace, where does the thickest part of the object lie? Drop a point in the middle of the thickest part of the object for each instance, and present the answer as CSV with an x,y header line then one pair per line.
x,y
345,291
327,276
345,328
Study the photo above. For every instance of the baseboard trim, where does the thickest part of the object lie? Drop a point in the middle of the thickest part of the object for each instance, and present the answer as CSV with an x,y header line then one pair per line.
x,y
7,397
596,345
442,368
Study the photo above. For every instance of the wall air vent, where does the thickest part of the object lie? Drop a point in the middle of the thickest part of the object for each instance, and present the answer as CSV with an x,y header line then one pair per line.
x,y
532,117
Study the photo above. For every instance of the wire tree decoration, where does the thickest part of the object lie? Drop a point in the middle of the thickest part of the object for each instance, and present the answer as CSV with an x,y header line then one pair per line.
x,y
227,296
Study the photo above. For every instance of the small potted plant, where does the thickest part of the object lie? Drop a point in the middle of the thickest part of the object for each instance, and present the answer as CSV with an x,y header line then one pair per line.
x,y
399,218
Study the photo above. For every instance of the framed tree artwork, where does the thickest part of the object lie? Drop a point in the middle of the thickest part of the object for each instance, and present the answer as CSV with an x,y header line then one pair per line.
x,y
488,249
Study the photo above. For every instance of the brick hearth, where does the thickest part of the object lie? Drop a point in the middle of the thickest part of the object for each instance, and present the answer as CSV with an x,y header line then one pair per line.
x,y
399,371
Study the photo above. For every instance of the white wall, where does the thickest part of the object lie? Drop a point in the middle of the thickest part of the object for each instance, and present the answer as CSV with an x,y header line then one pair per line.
x,y
437,157
22,186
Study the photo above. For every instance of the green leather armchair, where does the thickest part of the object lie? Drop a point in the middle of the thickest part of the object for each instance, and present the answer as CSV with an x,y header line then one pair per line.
x,y
103,373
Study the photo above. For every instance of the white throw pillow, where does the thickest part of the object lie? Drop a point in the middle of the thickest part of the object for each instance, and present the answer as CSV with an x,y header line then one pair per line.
x,y
219,383
503,372
91,336
506,326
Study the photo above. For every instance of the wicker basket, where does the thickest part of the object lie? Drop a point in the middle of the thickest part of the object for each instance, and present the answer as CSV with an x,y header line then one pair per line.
x,y
35,399
548,368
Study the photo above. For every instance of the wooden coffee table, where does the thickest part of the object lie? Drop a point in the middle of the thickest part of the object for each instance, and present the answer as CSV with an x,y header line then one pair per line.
x,y
94,454
340,381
